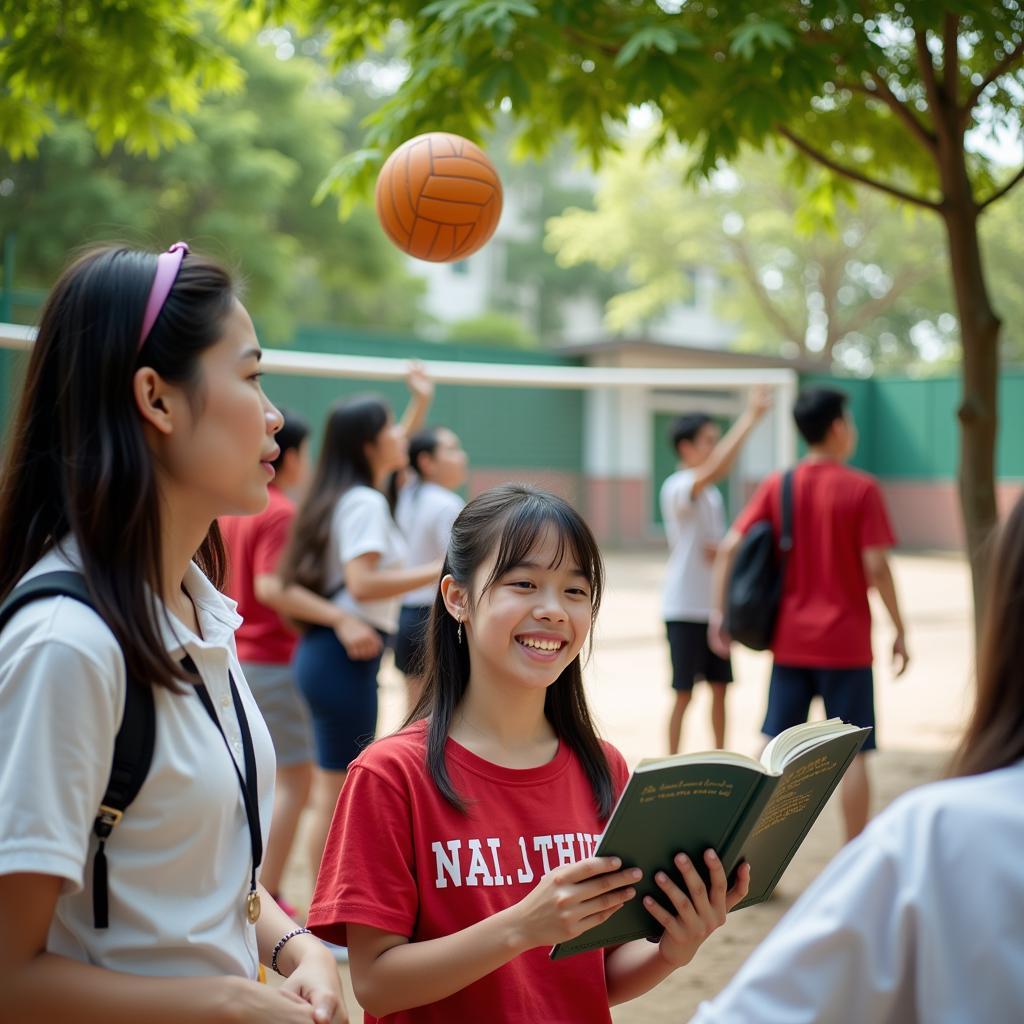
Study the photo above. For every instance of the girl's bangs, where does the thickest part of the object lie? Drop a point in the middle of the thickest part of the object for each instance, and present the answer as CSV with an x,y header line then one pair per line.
x,y
524,529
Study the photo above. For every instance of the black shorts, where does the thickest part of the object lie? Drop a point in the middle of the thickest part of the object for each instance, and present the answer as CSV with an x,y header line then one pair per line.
x,y
692,658
409,642
847,693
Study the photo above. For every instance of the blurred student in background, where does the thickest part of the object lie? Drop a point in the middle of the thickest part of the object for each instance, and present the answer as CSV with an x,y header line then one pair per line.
x,y
427,507
347,548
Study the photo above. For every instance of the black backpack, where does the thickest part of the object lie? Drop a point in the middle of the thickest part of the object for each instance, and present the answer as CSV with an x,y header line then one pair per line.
x,y
755,584
133,746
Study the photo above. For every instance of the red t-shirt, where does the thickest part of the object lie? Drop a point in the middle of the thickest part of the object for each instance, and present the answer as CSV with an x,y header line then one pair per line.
x,y
255,545
400,858
824,619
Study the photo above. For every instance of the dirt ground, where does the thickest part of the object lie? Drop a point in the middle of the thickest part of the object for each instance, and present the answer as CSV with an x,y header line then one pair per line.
x,y
919,718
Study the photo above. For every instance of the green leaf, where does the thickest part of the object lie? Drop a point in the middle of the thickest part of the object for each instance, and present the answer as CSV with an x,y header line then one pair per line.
x,y
757,34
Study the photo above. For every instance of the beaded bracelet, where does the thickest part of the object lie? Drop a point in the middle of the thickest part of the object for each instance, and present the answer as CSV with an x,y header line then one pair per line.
x,y
280,945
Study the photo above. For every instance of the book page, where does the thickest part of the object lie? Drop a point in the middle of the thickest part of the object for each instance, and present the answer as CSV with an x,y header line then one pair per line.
x,y
793,743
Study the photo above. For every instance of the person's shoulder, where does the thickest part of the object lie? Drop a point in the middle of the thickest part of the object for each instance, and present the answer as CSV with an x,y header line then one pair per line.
x,y
398,754
362,499
851,477
441,496
680,477
362,494
679,482
616,762
945,812
61,622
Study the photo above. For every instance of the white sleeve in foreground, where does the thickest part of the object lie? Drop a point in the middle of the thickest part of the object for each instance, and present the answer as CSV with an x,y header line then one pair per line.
x,y
842,953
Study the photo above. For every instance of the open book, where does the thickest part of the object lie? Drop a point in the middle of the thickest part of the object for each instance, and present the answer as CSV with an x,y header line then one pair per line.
x,y
757,811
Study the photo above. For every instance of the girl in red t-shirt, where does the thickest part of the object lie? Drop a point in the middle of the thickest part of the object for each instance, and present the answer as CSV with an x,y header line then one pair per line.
x,y
461,849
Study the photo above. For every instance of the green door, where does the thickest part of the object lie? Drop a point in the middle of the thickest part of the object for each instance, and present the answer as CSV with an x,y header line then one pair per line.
x,y
665,461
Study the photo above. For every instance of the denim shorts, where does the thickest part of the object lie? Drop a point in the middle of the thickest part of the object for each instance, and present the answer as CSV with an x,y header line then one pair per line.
x,y
848,693
341,694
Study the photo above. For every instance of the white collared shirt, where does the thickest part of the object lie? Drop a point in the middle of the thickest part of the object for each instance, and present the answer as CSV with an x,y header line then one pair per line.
x,y
179,862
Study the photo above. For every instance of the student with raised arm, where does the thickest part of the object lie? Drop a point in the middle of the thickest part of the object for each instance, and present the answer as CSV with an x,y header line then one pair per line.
x,y
694,518
141,420
426,508
919,919
347,549
462,846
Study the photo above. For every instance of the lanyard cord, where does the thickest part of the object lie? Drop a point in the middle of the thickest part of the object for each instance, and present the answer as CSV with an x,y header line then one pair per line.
x,y
248,784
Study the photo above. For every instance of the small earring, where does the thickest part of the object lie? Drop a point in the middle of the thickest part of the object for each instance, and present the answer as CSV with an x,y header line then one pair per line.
x,y
459,632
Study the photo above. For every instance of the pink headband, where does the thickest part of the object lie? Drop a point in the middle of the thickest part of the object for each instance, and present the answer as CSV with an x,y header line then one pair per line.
x,y
167,266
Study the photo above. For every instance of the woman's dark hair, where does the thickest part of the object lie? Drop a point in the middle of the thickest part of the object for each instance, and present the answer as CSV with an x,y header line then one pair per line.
x,y
507,522
995,734
351,426
293,432
816,409
423,442
77,462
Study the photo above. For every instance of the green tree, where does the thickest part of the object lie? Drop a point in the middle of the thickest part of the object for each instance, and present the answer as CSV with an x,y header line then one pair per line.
x,y
130,71
495,328
888,94
853,291
242,186
544,188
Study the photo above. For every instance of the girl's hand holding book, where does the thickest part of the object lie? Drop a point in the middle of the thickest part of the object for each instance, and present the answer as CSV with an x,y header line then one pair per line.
x,y
570,899
697,914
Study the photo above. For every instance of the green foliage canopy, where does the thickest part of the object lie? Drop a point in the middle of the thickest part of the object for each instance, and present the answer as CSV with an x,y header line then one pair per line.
x,y
131,71
839,79
859,290
241,186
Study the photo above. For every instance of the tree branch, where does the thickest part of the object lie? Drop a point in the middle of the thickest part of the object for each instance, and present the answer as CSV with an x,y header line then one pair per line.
x,y
998,69
950,56
865,313
1000,192
790,332
608,49
849,172
939,110
882,91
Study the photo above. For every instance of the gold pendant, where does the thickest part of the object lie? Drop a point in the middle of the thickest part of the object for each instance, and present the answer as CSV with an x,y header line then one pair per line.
x,y
252,906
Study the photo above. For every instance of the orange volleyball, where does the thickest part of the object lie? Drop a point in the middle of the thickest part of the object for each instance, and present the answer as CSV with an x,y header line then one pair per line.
x,y
438,197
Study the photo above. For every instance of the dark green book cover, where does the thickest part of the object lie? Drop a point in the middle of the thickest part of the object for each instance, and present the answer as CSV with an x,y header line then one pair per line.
x,y
743,809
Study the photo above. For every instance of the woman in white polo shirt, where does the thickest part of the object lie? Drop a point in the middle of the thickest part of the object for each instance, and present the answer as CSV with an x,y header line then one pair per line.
x,y
347,547
141,420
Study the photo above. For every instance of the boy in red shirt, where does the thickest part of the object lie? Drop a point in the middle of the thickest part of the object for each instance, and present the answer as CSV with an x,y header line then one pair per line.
x,y
266,645
822,641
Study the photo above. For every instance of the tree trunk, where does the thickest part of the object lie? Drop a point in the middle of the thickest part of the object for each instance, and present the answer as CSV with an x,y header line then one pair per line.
x,y
978,412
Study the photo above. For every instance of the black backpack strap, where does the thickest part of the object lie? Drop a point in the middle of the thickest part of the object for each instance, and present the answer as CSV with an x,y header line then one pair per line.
x,y
133,745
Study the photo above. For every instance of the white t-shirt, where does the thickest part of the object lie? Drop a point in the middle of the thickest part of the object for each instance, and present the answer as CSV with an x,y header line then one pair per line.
x,y
691,524
179,862
918,919
425,513
362,524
